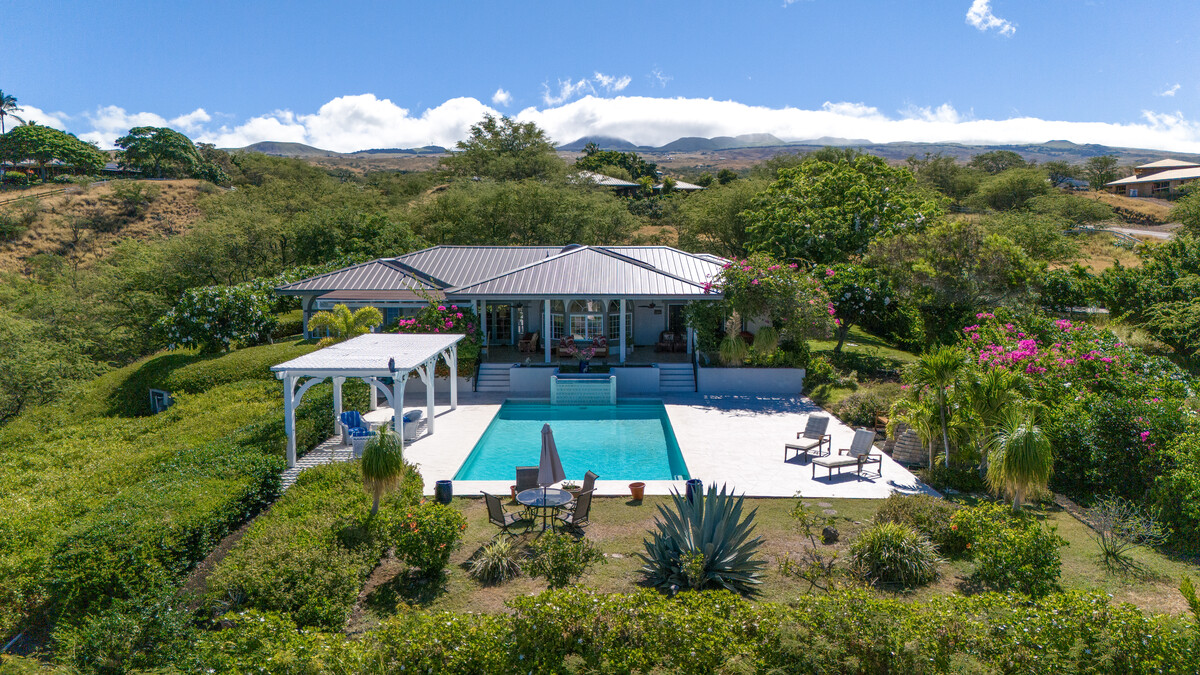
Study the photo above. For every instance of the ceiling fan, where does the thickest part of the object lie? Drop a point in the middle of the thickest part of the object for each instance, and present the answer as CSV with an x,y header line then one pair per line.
x,y
649,306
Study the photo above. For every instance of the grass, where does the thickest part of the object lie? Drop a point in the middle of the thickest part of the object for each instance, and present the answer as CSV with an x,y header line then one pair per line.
x,y
862,342
1150,211
1099,252
619,526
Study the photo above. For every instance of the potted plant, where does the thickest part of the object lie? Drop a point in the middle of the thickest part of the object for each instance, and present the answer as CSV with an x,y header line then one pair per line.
x,y
585,356
571,487
637,490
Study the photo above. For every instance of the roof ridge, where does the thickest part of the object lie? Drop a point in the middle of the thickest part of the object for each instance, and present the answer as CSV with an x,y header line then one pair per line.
x,y
583,247
560,254
418,274
337,271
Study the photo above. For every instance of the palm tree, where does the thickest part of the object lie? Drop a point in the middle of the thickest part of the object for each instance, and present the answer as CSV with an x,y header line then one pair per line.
x,y
382,465
345,324
938,370
990,395
8,106
1021,457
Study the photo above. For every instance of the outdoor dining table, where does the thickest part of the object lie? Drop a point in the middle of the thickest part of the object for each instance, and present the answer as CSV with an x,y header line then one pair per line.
x,y
544,502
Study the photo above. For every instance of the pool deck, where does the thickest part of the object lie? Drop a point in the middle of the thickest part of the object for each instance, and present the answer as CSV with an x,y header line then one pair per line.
x,y
734,440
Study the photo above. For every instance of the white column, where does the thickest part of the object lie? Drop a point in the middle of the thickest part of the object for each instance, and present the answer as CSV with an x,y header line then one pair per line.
x,y
398,380
691,340
546,327
621,309
425,372
451,356
337,403
374,398
289,417
483,322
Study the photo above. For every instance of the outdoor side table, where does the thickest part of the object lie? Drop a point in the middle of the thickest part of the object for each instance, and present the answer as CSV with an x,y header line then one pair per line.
x,y
544,501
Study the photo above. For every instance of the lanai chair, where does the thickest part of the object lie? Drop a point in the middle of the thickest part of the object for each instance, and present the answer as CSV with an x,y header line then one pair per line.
x,y
589,484
812,438
526,478
351,419
498,517
578,519
529,342
858,455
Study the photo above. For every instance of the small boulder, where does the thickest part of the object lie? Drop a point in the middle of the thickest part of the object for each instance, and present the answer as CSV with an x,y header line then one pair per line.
x,y
829,535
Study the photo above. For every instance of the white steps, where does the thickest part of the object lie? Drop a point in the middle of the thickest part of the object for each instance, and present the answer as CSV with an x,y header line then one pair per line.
x,y
676,377
493,377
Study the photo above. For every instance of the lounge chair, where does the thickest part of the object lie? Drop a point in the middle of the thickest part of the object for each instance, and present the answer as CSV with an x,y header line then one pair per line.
x,y
812,438
589,484
600,347
858,455
529,342
498,517
412,419
578,519
351,419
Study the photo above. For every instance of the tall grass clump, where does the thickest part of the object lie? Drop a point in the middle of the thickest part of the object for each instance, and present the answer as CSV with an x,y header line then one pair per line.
x,y
894,554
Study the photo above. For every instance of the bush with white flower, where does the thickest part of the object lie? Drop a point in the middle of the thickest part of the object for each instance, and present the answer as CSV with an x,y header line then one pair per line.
x,y
216,319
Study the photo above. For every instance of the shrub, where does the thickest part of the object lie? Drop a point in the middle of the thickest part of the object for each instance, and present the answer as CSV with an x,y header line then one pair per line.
x,y
435,318
894,553
710,524
1119,525
960,479
1176,493
427,534
859,408
562,559
218,318
130,635
1012,551
927,514
497,562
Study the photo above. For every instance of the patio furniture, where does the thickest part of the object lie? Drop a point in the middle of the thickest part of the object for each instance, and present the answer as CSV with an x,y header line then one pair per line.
x,y
667,341
359,437
412,419
589,484
544,502
812,438
858,455
498,517
600,347
526,477
566,346
528,342
577,519
351,419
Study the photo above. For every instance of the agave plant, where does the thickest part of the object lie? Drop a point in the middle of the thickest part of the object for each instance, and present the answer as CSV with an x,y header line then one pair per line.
x,y
704,543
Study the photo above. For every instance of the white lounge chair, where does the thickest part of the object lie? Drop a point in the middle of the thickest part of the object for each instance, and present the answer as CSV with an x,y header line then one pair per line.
x,y
812,438
857,455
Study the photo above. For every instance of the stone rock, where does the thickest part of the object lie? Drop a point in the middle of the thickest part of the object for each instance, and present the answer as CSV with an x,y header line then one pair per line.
x,y
829,512
825,505
829,535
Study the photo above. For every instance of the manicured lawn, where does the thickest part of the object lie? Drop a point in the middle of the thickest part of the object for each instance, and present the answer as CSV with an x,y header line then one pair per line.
x,y
860,341
619,526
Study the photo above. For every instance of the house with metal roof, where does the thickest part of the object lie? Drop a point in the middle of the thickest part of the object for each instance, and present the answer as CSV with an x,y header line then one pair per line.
x,y
633,296
1156,179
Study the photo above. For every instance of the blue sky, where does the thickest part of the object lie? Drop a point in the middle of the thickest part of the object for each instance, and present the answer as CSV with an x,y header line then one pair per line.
x,y
351,75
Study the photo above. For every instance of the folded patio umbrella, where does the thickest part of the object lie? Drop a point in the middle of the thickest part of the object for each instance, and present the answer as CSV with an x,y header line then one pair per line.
x,y
550,469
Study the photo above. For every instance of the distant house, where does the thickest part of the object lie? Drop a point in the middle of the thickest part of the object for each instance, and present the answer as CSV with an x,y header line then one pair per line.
x,y
1156,179
627,188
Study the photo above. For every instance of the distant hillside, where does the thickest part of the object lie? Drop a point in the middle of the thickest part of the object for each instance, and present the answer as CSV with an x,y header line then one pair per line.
x,y
605,143
281,149
423,150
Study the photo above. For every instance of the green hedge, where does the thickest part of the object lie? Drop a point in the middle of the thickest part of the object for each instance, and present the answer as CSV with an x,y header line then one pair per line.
x,y
576,631
310,554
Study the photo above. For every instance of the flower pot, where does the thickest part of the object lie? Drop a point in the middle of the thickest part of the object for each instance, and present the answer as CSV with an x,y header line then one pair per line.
x,y
574,491
513,488
584,366
638,490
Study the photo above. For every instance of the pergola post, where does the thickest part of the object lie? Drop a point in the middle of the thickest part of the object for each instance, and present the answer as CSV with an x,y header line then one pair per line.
x,y
621,309
337,401
427,376
289,417
398,382
546,327
451,357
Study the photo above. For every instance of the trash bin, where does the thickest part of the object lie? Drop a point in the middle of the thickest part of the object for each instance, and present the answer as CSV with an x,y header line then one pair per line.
x,y
443,491
695,487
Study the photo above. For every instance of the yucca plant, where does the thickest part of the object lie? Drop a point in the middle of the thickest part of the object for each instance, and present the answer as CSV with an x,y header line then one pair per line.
x,y
496,562
704,543
894,553
382,465
733,350
1020,460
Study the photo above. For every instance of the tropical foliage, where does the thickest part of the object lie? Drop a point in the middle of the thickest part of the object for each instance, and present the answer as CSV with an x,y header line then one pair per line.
x,y
217,319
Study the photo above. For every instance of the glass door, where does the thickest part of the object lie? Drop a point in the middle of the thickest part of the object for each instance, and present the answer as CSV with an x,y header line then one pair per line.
x,y
499,324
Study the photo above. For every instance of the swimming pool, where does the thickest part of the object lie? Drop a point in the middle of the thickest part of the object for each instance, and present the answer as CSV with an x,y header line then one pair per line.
x,y
632,440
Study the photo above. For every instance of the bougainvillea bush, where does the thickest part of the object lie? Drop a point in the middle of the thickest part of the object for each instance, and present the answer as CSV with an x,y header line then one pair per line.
x,y
443,318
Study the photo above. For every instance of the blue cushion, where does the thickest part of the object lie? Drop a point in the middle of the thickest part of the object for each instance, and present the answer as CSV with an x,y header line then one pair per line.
x,y
360,431
352,418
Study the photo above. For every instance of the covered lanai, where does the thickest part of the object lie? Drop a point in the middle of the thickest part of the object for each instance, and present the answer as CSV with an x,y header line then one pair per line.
x,y
372,358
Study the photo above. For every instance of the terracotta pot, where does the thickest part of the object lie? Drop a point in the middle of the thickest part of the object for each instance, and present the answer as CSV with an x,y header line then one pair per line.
x,y
575,491
637,490
513,488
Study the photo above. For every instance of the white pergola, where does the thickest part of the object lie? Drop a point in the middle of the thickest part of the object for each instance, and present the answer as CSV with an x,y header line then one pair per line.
x,y
370,358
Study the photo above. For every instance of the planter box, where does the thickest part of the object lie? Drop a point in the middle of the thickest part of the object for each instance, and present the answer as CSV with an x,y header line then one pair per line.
x,y
779,381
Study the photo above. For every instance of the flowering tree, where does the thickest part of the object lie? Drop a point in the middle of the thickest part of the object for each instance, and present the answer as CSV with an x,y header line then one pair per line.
x,y
442,318
857,293
218,318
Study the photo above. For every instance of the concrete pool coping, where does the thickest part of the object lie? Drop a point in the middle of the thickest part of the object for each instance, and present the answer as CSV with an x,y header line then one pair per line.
x,y
735,440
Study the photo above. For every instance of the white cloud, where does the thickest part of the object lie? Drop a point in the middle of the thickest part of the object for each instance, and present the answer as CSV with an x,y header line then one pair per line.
x,y
611,82
1170,91
980,16
659,78
567,90
358,122
501,97
29,113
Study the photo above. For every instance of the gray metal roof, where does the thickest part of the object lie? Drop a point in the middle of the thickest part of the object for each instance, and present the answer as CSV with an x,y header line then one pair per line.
x,y
461,265
699,268
585,271
367,355
376,275
604,181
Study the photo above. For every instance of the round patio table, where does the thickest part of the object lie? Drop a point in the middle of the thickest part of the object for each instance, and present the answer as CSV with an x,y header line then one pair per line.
x,y
544,501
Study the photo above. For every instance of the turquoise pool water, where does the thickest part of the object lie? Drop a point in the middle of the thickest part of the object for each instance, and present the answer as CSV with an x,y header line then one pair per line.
x,y
632,440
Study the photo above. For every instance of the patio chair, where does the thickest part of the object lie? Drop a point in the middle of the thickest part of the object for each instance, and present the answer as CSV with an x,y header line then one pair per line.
x,y
666,342
812,438
498,517
526,478
351,419
566,346
589,484
578,519
600,346
359,437
412,419
529,342
858,455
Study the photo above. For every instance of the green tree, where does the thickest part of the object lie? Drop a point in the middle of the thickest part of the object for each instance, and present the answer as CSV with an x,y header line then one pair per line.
x,y
998,161
1011,189
1176,323
1187,212
726,176
858,293
989,395
1042,236
938,369
504,149
1074,208
44,145
1020,460
160,152
1060,172
705,179
716,220
343,323
1100,171
595,159
382,466
8,106
823,211
945,175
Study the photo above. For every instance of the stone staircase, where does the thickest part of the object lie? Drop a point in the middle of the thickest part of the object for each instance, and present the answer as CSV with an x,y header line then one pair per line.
x,y
493,377
676,377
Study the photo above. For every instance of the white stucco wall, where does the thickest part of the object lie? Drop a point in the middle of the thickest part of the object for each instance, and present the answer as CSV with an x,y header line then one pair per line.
x,y
788,381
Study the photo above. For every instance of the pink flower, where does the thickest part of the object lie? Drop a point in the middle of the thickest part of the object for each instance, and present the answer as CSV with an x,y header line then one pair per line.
x,y
1144,435
754,283
828,272
793,265
832,311
453,306
441,308
459,315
